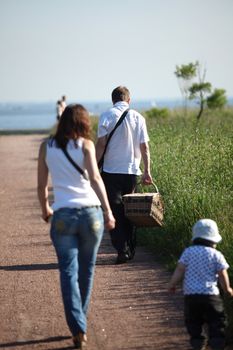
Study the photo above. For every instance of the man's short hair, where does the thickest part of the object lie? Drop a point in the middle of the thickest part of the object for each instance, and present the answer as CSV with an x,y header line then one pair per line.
x,y
120,93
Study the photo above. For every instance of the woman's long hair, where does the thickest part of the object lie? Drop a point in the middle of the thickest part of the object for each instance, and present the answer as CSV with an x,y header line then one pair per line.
x,y
74,123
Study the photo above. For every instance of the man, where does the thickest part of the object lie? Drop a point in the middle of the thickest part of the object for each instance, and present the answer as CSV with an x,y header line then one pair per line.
x,y
128,145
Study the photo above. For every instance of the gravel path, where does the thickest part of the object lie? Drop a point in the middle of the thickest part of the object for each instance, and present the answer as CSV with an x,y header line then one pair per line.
x,y
130,308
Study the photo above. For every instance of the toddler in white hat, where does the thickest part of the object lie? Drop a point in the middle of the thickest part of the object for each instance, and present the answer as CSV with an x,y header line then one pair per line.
x,y
201,267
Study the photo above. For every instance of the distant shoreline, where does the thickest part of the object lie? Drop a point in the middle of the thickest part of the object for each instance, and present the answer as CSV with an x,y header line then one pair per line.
x,y
19,118
25,132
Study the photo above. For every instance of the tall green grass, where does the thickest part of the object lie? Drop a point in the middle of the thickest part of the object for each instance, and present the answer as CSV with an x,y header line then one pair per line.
x,y
192,165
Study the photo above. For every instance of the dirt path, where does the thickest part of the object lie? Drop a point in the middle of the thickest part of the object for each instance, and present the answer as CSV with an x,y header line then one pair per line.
x,y
130,308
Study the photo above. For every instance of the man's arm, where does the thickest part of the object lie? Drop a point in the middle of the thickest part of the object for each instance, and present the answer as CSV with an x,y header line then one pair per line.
x,y
145,152
99,147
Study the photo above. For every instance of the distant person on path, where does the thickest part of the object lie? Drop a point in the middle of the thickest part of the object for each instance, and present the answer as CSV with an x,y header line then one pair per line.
x,y
77,218
59,110
121,165
63,103
60,106
202,266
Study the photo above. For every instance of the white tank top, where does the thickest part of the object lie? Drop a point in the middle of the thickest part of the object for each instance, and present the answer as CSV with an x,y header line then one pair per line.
x,y
70,188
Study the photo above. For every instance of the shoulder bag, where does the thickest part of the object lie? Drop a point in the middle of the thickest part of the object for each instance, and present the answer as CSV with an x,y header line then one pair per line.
x,y
101,161
77,167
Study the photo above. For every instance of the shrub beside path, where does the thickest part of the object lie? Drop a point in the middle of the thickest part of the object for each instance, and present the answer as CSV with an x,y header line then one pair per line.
x,y
130,308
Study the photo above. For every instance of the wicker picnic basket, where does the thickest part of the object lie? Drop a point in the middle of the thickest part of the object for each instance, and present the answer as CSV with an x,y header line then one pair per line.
x,y
144,209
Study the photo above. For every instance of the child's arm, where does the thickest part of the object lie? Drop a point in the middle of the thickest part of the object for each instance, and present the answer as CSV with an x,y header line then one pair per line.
x,y
176,277
224,281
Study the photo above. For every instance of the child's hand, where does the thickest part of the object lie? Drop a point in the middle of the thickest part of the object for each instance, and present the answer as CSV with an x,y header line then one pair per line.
x,y
229,292
171,289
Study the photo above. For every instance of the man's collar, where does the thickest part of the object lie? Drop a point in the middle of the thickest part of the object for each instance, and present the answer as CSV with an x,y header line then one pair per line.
x,y
121,103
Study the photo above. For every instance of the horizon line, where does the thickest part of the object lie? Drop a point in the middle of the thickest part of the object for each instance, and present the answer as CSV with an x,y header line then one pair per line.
x,y
99,101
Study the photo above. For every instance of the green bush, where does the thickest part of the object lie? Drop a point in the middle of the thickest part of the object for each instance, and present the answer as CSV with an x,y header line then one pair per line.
x,y
217,99
157,113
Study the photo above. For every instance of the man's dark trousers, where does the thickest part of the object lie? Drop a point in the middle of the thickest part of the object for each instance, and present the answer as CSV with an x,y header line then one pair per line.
x,y
117,185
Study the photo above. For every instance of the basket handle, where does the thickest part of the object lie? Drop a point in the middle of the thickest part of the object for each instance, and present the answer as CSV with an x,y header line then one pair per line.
x,y
152,184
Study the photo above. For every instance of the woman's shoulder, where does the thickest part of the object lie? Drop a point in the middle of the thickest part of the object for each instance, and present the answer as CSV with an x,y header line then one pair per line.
x,y
44,143
43,147
88,145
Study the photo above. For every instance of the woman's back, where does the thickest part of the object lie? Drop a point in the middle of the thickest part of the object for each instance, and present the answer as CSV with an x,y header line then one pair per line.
x,y
70,188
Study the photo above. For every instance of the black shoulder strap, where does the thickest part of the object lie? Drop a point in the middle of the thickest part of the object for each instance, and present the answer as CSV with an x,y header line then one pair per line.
x,y
77,167
120,120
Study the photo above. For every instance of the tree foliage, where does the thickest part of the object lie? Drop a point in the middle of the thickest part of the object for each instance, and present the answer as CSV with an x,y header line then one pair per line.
x,y
186,71
185,75
199,89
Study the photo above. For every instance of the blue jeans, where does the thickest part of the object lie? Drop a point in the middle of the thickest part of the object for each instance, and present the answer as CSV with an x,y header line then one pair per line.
x,y
76,235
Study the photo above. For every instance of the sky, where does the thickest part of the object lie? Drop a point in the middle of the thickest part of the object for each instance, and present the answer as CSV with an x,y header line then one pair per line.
x,y
84,49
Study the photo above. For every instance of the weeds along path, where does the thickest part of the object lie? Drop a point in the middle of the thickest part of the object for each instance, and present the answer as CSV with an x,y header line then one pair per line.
x,y
130,308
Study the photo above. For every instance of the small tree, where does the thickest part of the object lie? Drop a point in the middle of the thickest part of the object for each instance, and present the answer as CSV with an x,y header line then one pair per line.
x,y
185,75
199,90
217,99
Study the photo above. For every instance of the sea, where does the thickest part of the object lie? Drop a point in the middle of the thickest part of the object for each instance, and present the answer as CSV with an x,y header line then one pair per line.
x,y
40,116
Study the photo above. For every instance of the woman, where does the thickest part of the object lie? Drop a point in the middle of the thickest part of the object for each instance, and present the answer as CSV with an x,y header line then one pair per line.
x,y
77,218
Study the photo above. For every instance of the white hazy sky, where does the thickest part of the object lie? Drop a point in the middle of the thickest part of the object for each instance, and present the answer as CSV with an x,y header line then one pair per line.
x,y
84,49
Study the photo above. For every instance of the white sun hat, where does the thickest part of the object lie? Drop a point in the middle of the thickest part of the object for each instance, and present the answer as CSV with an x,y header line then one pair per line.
x,y
206,229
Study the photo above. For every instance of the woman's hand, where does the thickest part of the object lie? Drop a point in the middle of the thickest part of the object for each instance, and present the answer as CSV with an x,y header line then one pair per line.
x,y
109,221
46,215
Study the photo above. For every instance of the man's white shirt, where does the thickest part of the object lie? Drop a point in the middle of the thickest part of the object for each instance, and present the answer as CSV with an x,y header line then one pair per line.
x,y
123,155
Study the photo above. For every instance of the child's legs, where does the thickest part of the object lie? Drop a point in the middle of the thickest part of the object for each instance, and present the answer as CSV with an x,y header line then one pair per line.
x,y
216,320
194,320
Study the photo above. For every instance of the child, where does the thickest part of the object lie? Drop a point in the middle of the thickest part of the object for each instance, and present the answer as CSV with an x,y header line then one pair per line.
x,y
202,266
